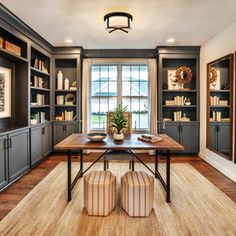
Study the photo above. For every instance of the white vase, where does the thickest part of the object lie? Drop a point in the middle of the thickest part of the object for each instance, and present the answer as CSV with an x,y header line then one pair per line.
x,y
66,84
118,136
60,81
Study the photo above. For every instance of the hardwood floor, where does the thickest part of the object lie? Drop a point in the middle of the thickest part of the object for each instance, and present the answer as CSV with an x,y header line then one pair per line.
x,y
10,197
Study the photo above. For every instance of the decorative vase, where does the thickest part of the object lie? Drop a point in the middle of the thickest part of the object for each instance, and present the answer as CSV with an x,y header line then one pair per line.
x,y
118,136
66,84
59,80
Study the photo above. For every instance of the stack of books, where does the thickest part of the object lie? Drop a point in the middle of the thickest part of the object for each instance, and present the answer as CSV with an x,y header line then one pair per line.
x,y
214,100
69,115
179,100
150,138
39,65
40,99
38,82
60,99
216,116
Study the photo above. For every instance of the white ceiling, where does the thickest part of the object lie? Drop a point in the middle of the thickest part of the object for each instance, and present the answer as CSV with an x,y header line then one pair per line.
x,y
190,22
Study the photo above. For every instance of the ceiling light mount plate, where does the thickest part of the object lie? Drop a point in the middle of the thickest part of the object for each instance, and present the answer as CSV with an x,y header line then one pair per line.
x,y
118,21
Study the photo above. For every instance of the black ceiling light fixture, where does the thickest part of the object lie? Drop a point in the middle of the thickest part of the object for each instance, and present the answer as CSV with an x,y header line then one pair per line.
x,y
118,21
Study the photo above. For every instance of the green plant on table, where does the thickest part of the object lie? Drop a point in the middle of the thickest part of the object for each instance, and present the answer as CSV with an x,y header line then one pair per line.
x,y
119,119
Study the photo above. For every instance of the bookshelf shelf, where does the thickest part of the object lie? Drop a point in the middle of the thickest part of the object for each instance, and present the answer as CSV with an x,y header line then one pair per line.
x,y
40,106
39,71
180,106
40,89
66,91
5,53
179,91
65,105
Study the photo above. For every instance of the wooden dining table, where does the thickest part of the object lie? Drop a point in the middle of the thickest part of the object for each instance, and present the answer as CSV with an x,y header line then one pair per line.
x,y
80,142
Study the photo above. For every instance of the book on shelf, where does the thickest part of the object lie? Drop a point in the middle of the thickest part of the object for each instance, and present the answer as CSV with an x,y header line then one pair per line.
x,y
178,116
179,100
60,99
37,82
216,116
39,65
37,118
223,103
69,115
40,99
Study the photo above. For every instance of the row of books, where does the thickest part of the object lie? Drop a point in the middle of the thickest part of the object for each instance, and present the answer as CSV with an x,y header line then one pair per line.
x,y
69,115
40,99
178,101
39,65
37,118
217,117
215,101
178,116
37,82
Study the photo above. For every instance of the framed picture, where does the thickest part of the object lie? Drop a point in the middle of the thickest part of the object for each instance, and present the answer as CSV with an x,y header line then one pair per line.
x,y
172,84
5,92
216,84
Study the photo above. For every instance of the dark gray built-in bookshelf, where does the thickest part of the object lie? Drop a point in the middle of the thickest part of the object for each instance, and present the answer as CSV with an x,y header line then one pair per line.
x,y
178,113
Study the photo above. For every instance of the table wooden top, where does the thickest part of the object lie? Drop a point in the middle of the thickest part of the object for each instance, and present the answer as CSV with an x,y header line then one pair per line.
x,y
80,141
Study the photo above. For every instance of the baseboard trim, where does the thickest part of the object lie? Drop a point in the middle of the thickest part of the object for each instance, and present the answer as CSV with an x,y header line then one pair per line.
x,y
229,170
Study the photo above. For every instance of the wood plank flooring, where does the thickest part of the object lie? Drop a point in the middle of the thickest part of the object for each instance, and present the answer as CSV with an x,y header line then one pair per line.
x,y
10,197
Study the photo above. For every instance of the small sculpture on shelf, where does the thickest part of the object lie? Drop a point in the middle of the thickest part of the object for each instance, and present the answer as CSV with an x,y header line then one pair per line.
x,y
188,102
225,86
73,86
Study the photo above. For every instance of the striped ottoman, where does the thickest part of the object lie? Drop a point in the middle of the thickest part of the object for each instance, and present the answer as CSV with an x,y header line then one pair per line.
x,y
99,193
137,192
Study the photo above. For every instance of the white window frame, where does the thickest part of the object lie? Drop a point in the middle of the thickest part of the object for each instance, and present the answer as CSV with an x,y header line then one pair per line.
x,y
119,86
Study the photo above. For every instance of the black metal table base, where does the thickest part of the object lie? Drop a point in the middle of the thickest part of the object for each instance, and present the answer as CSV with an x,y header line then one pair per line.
x,y
156,173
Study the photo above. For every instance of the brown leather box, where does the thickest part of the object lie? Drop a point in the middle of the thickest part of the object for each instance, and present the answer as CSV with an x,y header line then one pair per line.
x,y
12,48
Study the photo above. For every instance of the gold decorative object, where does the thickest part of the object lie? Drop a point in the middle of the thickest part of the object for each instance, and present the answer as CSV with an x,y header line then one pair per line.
x,y
183,75
212,74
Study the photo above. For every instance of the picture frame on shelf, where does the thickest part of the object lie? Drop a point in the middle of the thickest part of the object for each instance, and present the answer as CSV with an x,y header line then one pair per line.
x,y
5,92
172,83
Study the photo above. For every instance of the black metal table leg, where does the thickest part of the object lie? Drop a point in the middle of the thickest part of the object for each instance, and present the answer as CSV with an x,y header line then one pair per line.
x,y
168,176
156,163
132,163
69,175
81,162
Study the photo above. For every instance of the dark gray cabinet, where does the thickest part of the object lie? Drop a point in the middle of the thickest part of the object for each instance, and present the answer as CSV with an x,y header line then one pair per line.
x,y
61,130
41,142
3,161
219,137
18,153
186,133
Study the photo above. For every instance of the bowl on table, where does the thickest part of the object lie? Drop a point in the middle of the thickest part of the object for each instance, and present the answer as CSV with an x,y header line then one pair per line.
x,y
96,137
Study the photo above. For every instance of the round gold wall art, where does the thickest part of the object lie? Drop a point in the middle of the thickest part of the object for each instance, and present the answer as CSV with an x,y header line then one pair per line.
x,y
212,74
183,75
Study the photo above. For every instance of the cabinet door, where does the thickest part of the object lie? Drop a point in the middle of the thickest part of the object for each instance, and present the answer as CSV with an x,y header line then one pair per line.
x,y
172,130
224,138
18,153
36,144
71,129
58,132
189,137
47,139
3,161
213,136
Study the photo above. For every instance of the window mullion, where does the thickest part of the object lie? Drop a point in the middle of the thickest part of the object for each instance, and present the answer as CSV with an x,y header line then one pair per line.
x,y
119,84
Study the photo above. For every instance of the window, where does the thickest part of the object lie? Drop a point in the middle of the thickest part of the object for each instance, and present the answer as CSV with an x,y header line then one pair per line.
x,y
115,84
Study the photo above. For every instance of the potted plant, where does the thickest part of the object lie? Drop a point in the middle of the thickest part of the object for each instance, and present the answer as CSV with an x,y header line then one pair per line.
x,y
119,121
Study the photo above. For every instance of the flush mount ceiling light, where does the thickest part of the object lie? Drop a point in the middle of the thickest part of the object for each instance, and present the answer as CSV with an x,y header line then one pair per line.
x,y
170,40
68,41
118,21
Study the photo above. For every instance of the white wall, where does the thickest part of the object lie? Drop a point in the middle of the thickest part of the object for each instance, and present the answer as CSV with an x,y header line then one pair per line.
x,y
222,44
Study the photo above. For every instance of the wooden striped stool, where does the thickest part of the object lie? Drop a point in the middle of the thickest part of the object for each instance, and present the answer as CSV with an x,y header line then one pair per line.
x,y
99,193
137,193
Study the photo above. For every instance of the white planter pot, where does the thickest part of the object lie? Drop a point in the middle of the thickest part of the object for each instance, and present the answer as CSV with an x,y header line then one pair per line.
x,y
118,136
